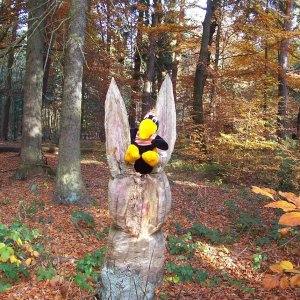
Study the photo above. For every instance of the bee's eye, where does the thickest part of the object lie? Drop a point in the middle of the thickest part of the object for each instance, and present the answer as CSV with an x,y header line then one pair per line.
x,y
154,119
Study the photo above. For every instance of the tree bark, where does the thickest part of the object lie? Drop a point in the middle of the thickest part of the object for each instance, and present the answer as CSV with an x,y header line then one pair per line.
x,y
203,62
69,185
147,100
177,54
298,124
216,67
9,85
31,154
282,68
136,73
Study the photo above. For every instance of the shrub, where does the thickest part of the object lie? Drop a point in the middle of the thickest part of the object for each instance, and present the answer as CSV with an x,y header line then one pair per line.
x,y
19,249
82,218
213,235
179,245
88,269
213,171
286,176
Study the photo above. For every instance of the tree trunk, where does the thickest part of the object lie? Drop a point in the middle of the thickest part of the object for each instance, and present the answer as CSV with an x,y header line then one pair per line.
x,y
216,68
136,73
298,124
147,100
9,85
138,205
203,62
177,54
69,185
282,68
9,79
31,155
266,62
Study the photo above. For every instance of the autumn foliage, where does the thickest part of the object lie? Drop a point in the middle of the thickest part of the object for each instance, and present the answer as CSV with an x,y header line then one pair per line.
x,y
286,275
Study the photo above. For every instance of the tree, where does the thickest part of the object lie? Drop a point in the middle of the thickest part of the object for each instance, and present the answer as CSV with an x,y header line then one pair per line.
x,y
9,81
203,61
69,185
31,154
147,101
178,41
137,68
282,68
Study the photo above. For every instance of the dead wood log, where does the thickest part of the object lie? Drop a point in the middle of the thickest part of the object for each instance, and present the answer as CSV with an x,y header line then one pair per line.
x,y
9,149
138,204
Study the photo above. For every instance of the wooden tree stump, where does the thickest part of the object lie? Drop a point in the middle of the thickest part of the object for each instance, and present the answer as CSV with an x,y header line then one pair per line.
x,y
138,204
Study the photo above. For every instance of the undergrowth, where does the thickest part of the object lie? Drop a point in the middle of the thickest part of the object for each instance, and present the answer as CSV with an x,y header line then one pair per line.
x,y
19,249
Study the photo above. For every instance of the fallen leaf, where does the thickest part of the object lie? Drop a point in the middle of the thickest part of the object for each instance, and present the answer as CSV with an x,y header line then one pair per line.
x,y
284,205
270,281
295,281
286,265
284,231
284,282
28,261
277,268
291,197
257,190
290,219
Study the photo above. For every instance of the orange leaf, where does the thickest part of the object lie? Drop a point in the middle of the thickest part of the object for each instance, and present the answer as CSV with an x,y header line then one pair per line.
x,y
290,219
295,280
292,271
284,282
270,281
291,197
257,190
284,231
276,268
284,205
272,192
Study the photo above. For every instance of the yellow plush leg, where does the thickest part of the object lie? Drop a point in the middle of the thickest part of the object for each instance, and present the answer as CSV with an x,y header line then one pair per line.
x,y
151,158
132,154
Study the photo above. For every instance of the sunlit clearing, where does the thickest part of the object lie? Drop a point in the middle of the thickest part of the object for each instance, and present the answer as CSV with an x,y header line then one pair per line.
x,y
92,162
186,183
220,258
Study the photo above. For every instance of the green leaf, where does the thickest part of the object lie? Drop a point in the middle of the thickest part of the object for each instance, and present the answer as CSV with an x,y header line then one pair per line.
x,y
201,276
44,274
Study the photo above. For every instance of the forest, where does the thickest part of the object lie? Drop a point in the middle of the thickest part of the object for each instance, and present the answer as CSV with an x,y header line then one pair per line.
x,y
205,204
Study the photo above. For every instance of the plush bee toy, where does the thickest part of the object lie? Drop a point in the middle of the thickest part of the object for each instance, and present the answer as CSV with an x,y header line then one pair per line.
x,y
144,144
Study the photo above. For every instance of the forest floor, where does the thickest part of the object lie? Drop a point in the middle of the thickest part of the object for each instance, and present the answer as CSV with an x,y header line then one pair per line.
x,y
221,237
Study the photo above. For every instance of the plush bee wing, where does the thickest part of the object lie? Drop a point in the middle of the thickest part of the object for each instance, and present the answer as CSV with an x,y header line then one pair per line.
x,y
166,113
117,130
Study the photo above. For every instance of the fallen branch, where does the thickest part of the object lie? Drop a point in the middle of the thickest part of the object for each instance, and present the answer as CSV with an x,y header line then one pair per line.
x,y
82,233
280,246
9,170
9,149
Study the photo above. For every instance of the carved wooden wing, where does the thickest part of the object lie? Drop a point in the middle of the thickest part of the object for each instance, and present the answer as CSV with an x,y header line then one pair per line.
x,y
117,130
166,114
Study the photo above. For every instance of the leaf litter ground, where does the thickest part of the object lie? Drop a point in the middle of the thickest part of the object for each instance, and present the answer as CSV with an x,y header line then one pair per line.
x,y
231,266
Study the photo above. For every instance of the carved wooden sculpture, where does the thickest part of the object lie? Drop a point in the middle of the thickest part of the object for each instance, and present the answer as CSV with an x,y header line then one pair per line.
x,y
138,204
